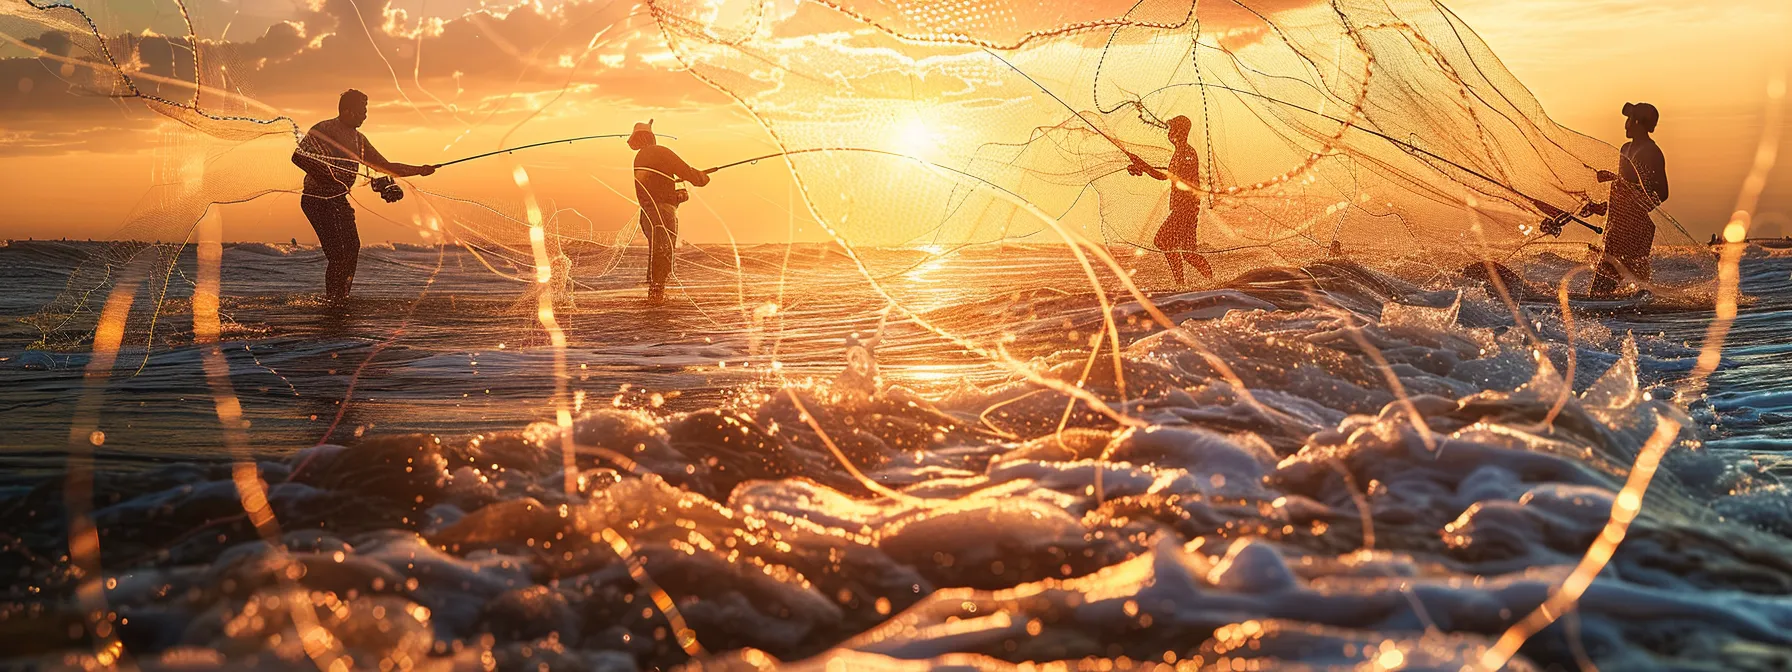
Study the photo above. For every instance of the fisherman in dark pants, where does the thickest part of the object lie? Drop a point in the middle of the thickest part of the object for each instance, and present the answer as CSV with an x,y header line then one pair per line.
x,y
1639,186
331,156
658,170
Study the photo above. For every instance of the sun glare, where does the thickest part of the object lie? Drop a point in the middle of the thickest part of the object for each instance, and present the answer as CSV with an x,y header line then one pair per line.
x,y
916,138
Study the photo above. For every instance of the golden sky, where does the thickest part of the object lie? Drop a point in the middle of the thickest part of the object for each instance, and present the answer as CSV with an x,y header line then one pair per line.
x,y
449,80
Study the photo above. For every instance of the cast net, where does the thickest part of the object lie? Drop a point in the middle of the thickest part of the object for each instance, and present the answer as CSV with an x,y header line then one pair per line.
x,y
1323,138
1385,132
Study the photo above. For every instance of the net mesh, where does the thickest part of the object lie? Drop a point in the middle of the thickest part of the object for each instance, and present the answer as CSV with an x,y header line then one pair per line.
x,y
1380,133
1385,133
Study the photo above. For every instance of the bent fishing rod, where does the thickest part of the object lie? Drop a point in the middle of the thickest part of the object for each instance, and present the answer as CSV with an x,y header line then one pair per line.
x,y
741,162
543,144
1398,142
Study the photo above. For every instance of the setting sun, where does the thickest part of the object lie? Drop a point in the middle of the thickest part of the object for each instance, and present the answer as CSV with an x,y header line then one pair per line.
x,y
895,334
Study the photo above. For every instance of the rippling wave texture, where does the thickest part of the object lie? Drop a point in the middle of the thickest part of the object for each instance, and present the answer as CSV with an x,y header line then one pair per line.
x,y
981,524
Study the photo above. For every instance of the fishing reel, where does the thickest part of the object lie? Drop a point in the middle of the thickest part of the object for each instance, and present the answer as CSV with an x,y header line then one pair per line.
x,y
387,188
679,196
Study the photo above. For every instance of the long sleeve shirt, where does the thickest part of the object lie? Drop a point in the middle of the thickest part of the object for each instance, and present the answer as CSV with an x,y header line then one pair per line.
x,y
657,170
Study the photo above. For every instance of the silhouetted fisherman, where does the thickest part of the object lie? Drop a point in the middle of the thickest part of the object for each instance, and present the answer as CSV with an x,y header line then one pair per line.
x,y
1639,186
1176,237
658,170
331,155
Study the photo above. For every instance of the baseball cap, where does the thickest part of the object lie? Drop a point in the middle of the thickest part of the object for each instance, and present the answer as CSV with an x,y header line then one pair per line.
x,y
1643,112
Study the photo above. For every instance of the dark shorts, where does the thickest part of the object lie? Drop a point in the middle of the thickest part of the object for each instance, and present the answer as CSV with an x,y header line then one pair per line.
x,y
334,221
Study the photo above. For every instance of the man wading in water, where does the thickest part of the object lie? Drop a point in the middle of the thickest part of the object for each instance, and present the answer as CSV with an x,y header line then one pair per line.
x,y
1639,186
658,170
331,155
1176,238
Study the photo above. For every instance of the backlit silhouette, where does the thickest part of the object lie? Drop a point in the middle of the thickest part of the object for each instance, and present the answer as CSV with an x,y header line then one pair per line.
x,y
331,156
658,170
1176,238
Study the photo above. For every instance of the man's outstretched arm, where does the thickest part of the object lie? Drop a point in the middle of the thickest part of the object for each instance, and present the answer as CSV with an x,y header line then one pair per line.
x,y
686,172
373,159
1141,167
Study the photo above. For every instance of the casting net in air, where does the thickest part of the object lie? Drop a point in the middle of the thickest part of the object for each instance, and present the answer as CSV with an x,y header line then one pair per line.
x,y
218,144
1320,135
1383,131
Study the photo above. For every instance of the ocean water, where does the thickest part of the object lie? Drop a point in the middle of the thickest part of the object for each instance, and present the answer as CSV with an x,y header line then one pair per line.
x,y
1329,467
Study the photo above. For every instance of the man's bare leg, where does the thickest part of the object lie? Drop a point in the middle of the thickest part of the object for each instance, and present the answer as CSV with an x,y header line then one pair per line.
x,y
1199,263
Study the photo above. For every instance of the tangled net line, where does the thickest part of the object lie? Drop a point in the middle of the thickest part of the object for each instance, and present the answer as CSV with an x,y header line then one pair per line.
x,y
984,122
1383,120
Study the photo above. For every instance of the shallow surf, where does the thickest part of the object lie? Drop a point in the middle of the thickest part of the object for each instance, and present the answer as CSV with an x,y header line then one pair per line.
x,y
1385,473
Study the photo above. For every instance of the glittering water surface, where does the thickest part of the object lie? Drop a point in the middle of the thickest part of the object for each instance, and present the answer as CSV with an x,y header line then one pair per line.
x,y
1308,522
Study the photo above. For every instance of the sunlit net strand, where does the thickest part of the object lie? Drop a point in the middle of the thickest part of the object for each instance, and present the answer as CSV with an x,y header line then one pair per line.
x,y
1070,404
1573,351
393,72
1628,503
544,312
682,634
355,378
129,80
1736,231
591,47
1421,428
529,60
1347,322
851,469
999,355
1074,241
318,643
1625,507
84,435
740,281
171,265
1472,208
947,37
193,46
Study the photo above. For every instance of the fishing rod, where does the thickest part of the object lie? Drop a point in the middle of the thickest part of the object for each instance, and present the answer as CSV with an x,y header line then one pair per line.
x,y
543,144
1401,143
1413,148
774,155
1078,114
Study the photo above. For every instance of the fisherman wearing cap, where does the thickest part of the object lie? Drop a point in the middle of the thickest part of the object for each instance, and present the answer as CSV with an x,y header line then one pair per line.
x,y
1176,237
658,170
331,155
1639,186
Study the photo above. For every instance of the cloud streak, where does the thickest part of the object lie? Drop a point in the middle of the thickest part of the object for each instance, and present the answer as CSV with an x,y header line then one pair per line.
x,y
486,64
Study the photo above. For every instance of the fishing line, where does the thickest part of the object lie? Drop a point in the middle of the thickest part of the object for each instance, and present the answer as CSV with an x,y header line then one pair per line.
x,y
1397,142
543,144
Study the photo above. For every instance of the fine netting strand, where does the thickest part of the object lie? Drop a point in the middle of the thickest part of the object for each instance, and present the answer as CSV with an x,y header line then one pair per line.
x,y
1385,133
1382,131
996,179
